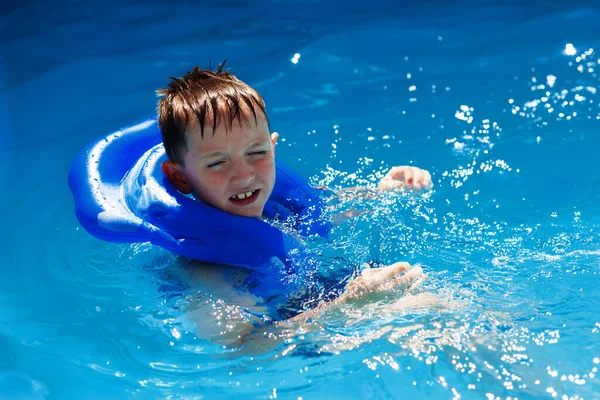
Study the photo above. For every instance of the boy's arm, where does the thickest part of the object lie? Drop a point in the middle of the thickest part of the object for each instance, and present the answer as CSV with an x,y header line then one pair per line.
x,y
230,325
222,310
401,177
407,177
358,292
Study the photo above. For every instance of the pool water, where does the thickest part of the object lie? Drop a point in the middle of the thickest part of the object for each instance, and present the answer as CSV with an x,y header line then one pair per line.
x,y
499,101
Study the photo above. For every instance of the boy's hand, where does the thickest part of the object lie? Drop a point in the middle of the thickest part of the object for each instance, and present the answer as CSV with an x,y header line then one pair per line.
x,y
376,280
406,177
400,275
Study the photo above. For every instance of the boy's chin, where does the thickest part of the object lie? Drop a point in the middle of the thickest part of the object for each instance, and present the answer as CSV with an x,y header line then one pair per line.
x,y
254,212
249,215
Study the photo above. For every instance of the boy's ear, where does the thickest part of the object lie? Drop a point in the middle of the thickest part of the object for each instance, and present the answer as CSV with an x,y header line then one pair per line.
x,y
174,172
274,137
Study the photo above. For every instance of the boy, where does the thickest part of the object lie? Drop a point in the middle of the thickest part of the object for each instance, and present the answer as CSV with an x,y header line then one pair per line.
x,y
217,138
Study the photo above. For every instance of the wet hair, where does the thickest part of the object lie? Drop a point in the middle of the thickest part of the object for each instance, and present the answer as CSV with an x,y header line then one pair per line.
x,y
208,98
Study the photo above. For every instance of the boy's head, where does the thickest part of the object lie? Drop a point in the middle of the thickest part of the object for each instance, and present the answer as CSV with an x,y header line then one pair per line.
x,y
216,134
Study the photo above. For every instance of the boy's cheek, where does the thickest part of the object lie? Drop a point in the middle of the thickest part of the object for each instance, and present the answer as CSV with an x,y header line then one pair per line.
x,y
207,182
211,177
268,164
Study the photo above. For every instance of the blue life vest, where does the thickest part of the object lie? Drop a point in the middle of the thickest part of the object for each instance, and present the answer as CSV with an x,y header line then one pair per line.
x,y
122,195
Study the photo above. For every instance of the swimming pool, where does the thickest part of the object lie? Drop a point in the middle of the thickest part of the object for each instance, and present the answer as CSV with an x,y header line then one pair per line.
x,y
499,102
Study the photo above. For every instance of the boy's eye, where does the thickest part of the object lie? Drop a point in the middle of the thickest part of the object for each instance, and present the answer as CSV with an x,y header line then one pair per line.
x,y
215,164
260,153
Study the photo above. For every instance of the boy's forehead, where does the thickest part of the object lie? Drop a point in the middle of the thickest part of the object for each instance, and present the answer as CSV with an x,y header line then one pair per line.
x,y
239,130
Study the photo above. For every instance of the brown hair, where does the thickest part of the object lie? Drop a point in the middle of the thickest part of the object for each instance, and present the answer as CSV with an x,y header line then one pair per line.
x,y
205,96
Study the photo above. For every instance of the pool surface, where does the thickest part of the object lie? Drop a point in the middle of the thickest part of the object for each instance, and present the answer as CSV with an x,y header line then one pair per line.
x,y
499,101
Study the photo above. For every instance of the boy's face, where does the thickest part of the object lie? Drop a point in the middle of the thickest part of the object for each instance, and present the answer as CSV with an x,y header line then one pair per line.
x,y
232,169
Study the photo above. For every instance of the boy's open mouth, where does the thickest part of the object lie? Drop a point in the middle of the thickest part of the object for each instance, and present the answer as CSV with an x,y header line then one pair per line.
x,y
243,199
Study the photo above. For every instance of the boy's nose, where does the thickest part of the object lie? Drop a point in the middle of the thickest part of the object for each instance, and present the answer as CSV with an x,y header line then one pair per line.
x,y
243,174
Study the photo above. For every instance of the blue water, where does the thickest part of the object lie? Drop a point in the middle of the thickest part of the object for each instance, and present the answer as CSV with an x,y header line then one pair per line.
x,y
509,237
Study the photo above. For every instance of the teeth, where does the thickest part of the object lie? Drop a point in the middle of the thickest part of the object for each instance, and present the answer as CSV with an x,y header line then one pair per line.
x,y
242,196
